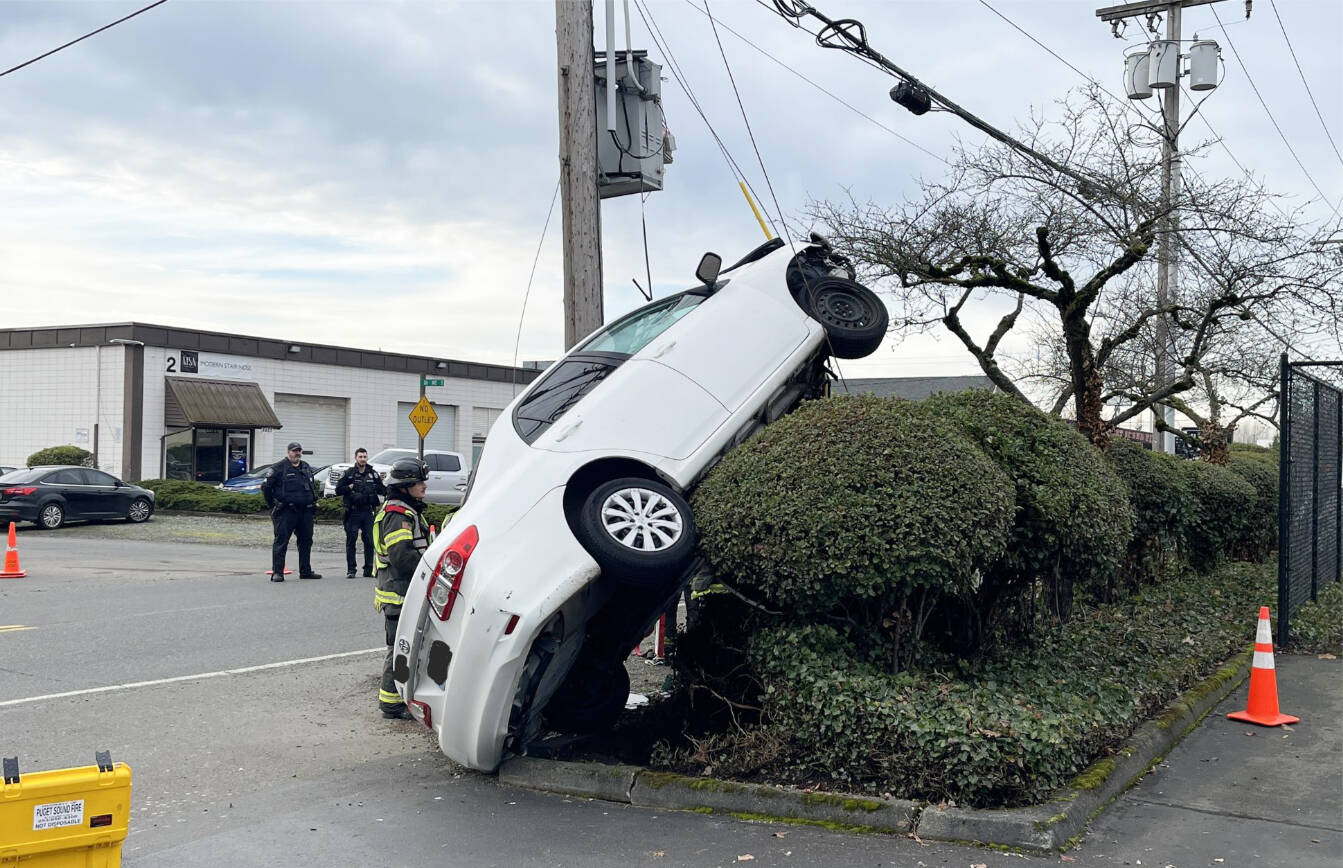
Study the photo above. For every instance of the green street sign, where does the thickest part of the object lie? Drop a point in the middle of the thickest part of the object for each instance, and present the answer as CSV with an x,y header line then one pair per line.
x,y
425,381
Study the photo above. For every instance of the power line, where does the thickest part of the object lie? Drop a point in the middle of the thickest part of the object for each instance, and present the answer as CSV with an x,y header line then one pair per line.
x,y
761,160
1267,111
828,93
1299,72
82,38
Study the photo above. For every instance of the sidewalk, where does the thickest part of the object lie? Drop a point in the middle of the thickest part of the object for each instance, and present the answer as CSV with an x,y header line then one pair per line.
x,y
1242,794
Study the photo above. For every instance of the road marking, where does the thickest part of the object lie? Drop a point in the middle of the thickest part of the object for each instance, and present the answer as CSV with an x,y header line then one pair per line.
x,y
14,628
217,674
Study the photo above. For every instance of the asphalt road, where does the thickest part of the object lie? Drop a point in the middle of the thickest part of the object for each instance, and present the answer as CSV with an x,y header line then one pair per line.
x,y
246,711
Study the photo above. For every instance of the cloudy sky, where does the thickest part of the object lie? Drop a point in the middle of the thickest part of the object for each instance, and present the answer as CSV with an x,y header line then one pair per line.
x,y
377,174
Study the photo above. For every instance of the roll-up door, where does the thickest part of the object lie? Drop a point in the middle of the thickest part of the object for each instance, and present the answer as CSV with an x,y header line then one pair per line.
x,y
442,436
318,423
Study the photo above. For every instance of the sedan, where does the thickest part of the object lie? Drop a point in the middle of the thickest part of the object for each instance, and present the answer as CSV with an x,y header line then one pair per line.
x,y
51,496
576,531
250,482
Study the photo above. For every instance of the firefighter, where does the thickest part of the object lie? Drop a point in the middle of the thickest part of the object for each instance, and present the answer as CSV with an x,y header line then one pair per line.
x,y
400,536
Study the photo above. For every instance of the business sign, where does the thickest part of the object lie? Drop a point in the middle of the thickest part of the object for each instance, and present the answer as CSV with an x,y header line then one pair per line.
x,y
211,365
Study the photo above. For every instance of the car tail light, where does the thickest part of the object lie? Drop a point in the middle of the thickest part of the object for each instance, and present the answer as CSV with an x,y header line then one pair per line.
x,y
446,581
20,492
512,625
420,711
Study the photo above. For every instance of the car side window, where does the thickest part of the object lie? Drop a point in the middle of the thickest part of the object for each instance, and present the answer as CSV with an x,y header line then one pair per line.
x,y
66,477
98,477
556,392
446,462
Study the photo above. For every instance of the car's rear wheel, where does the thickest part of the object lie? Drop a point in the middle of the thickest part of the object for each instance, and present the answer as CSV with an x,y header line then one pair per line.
x,y
591,698
638,530
140,510
853,316
51,516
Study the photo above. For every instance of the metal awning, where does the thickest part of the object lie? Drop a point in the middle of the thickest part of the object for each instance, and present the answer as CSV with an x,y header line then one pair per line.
x,y
217,404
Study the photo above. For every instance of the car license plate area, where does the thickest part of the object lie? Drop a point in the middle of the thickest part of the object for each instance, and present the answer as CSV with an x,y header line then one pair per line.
x,y
440,656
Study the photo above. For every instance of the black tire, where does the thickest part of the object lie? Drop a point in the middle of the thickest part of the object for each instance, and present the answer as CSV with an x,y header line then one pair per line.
x,y
591,698
638,530
854,318
140,510
51,516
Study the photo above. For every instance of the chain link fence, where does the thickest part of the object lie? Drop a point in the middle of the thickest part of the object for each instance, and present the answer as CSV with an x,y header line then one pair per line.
x,y
1310,491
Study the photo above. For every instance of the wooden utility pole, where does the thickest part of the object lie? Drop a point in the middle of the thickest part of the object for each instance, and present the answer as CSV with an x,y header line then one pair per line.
x,y
578,171
1168,253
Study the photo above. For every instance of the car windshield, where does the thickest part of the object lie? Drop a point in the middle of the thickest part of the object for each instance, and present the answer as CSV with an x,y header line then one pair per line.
x,y
390,456
26,475
632,333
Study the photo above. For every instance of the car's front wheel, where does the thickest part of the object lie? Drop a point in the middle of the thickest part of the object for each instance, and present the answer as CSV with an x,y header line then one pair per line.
x,y
140,510
51,516
639,531
854,318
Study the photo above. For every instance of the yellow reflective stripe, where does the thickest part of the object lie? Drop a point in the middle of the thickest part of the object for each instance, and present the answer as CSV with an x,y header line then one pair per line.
x,y
395,537
388,597
388,696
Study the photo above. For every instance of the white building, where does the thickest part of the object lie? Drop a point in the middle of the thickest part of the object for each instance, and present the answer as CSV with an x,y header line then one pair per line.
x,y
156,401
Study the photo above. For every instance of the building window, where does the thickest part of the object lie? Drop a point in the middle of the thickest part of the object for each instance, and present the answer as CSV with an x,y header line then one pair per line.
x,y
179,455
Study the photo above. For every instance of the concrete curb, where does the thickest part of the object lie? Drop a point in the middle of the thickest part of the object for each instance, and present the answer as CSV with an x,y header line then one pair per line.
x,y
1048,826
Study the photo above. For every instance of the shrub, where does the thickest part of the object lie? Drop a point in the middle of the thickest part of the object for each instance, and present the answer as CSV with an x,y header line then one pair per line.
x,y
1220,513
1160,497
1260,534
62,455
1073,519
201,497
854,507
1008,730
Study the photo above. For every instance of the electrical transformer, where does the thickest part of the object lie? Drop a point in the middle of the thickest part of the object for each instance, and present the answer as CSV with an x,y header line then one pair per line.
x,y
633,145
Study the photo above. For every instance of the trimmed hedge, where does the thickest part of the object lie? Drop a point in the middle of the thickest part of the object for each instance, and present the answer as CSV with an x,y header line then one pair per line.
x,y
1161,498
1220,517
203,497
1005,731
62,455
1073,519
854,503
1259,537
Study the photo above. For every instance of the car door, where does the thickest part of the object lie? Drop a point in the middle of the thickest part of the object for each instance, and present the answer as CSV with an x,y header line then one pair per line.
x,y
445,472
108,497
80,501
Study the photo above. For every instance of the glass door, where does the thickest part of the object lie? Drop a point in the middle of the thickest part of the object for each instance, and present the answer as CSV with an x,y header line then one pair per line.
x,y
239,453
209,455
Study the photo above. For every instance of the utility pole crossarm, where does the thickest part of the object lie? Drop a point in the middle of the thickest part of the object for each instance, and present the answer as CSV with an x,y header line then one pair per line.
x,y
1133,10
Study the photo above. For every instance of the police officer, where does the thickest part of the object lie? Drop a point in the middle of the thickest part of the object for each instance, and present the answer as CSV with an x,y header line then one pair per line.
x,y
400,536
293,506
362,489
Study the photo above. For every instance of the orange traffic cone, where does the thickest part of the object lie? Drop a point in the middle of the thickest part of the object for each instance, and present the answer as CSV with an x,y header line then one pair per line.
x,y
1263,705
12,569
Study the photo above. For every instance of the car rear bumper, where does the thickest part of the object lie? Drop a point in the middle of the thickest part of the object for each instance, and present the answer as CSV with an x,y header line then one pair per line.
x,y
18,512
531,570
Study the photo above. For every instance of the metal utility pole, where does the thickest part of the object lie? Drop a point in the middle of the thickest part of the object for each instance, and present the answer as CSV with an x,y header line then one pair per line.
x,y
1168,255
578,171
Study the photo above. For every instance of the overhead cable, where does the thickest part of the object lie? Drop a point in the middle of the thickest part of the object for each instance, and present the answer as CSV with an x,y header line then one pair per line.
x,y
82,38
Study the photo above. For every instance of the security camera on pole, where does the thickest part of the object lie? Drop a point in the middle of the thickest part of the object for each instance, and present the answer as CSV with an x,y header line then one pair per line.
x,y
1159,68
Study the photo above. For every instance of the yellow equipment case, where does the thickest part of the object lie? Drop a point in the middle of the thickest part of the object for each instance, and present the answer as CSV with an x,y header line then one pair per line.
x,y
66,818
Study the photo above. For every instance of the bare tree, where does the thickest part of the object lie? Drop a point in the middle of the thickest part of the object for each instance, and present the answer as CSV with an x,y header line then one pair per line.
x,y
1073,264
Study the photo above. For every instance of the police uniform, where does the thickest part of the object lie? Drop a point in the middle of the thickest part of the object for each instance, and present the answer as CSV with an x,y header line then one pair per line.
x,y
362,490
400,536
293,506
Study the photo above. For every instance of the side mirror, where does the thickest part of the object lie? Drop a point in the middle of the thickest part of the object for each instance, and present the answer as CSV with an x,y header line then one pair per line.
x,y
709,266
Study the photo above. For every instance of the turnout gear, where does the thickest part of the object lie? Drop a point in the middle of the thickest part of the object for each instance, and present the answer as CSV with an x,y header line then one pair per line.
x,y
293,506
400,536
362,491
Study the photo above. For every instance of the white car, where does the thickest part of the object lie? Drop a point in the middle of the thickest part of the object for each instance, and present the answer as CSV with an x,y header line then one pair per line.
x,y
576,532
447,473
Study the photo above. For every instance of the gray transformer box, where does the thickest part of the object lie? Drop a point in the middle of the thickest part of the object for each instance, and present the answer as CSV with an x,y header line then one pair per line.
x,y
633,157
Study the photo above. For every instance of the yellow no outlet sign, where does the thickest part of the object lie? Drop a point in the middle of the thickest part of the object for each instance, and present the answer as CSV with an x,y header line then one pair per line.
x,y
423,417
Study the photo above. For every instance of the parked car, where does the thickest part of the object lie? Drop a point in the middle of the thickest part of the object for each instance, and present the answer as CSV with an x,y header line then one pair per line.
x,y
4,469
250,482
576,531
51,496
447,473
